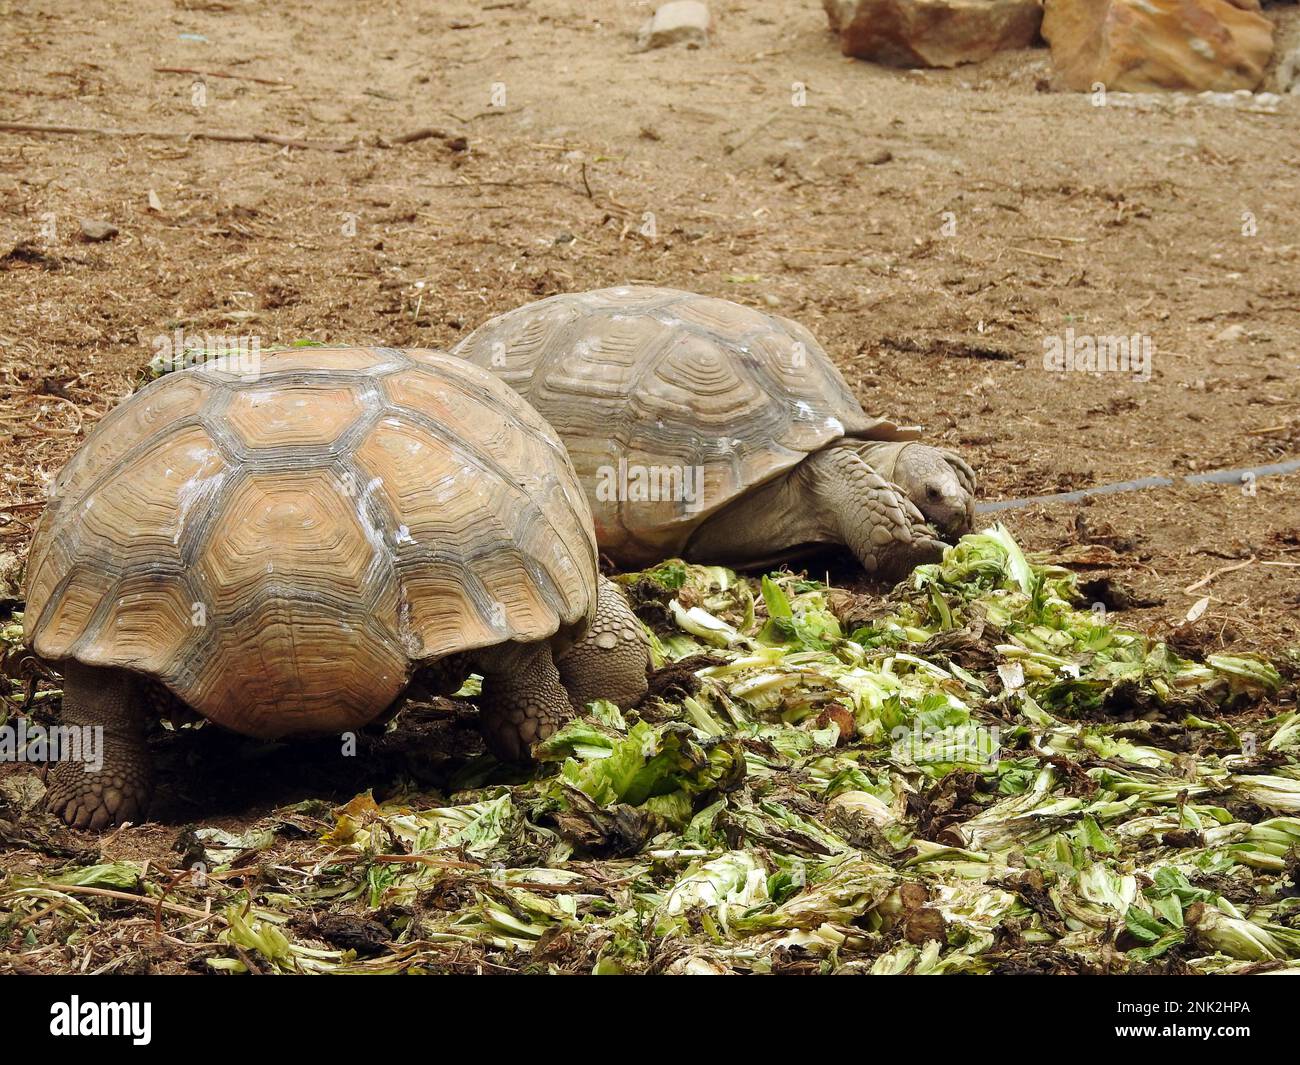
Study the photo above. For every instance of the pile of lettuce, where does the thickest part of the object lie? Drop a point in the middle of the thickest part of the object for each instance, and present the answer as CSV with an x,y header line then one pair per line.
x,y
980,774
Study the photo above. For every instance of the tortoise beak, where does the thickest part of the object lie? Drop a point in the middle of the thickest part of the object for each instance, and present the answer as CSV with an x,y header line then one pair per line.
x,y
967,520
962,520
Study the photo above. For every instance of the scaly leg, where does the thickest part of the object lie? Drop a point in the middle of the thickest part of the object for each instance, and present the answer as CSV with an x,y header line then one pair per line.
x,y
874,518
86,797
523,700
610,661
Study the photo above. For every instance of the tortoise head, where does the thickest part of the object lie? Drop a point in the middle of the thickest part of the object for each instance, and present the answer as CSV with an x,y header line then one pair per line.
x,y
941,485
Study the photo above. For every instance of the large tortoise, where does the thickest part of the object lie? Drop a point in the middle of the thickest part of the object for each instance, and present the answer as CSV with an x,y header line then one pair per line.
x,y
714,431
283,551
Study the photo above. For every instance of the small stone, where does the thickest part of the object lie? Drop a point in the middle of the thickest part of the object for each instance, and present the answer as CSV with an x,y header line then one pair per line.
x,y
93,229
679,22
842,719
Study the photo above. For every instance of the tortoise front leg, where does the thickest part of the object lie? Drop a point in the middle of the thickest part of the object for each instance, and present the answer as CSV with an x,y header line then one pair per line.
x,y
871,516
92,796
523,700
611,659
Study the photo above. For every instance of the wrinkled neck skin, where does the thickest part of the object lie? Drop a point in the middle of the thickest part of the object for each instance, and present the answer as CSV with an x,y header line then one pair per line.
x,y
776,522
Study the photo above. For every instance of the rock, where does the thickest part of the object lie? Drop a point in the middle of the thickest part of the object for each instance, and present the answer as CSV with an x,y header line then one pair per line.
x,y
679,22
932,33
1149,45
92,229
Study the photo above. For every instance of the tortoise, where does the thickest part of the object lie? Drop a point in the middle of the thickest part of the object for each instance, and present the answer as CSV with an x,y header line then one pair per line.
x,y
284,551
720,433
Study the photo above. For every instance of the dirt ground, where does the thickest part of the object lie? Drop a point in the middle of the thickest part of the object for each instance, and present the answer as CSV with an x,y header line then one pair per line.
x,y
930,227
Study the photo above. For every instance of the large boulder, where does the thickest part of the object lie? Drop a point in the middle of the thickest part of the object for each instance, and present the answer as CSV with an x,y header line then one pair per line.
x,y
1147,45
932,33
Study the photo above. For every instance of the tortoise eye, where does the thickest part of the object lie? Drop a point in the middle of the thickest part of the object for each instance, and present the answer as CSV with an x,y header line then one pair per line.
x,y
933,494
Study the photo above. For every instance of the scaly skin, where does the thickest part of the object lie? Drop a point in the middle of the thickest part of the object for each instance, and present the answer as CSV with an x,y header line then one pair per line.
x,y
832,497
523,700
610,661
109,699
528,694
874,518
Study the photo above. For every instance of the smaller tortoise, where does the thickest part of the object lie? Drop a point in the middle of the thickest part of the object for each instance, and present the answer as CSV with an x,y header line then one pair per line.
x,y
284,552
710,430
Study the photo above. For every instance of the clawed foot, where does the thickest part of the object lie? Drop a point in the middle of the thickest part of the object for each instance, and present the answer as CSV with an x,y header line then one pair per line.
x,y
510,736
94,801
900,560
523,701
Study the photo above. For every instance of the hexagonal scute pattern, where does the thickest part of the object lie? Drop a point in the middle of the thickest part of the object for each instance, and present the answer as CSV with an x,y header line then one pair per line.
x,y
643,381
293,414
281,548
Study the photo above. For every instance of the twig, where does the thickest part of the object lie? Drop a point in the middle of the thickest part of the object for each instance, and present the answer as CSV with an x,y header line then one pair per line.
x,y
144,900
222,74
424,859
33,918
167,134
1039,254
412,137
378,141
1217,573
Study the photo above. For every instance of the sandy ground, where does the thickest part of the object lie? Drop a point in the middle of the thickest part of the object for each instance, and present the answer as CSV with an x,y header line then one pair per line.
x,y
932,228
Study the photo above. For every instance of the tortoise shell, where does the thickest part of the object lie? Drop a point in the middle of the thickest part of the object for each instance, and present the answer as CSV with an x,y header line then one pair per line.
x,y
282,548
651,386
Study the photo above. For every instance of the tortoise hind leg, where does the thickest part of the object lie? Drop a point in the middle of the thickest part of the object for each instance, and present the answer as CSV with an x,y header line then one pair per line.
x,y
523,700
112,781
610,660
